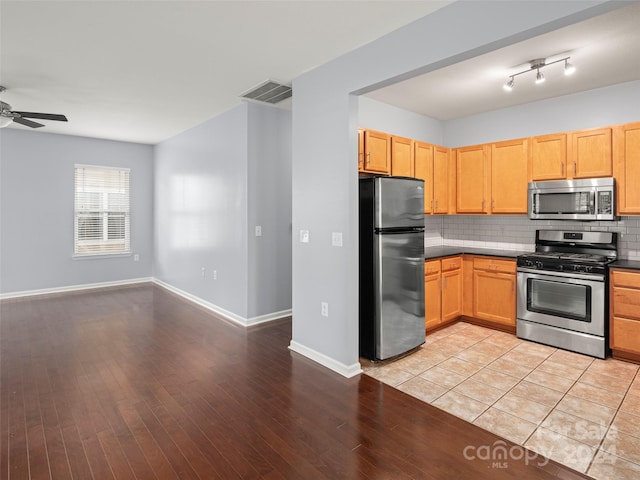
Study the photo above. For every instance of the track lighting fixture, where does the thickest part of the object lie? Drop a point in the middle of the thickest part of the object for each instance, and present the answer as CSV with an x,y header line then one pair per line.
x,y
538,64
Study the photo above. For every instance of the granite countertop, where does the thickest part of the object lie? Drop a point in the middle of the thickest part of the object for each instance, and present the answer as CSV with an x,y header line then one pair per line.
x,y
441,251
630,264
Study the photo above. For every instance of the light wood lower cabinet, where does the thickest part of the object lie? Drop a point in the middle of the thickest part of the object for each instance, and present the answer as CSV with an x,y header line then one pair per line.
x,y
432,295
624,318
443,291
494,290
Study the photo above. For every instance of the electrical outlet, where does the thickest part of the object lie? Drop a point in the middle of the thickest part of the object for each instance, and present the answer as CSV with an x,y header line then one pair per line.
x,y
304,236
324,309
204,272
215,274
258,231
136,257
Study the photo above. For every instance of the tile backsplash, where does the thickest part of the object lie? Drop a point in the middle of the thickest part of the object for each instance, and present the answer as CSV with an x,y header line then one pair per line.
x,y
517,232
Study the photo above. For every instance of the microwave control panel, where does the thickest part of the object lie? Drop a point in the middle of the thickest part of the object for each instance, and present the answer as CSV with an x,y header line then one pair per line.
x,y
605,205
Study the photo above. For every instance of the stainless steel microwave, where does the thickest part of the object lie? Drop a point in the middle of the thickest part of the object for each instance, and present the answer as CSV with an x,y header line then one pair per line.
x,y
584,199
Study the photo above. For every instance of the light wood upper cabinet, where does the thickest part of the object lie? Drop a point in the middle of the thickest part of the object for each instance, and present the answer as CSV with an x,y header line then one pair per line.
x,y
626,167
432,165
471,175
377,152
360,150
441,163
423,169
548,157
589,153
579,154
402,157
509,161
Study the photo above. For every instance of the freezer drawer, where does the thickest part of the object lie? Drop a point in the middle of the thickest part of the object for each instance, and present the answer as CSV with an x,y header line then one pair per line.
x,y
399,296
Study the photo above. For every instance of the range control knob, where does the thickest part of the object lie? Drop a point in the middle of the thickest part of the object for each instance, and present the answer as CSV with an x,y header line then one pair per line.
x,y
588,268
538,264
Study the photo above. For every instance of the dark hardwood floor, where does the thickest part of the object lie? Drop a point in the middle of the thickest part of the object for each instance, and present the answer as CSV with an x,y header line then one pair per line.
x,y
138,383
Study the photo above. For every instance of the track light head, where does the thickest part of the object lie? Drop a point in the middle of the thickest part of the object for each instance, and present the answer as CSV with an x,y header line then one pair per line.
x,y
568,68
540,77
509,85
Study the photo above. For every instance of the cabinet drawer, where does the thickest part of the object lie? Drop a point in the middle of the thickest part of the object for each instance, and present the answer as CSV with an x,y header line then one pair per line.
x,y
451,263
625,302
625,335
620,278
494,264
432,267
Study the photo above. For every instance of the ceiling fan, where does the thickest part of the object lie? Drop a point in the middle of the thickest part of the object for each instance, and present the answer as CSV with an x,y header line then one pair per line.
x,y
7,116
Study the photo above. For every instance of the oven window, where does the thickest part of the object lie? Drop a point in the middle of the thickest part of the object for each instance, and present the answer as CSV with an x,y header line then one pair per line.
x,y
561,299
575,202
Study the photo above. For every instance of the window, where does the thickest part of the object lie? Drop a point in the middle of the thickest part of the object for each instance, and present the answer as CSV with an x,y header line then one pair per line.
x,y
101,223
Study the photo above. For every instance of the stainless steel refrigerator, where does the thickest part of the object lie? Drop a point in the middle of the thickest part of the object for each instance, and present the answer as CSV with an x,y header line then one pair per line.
x,y
391,266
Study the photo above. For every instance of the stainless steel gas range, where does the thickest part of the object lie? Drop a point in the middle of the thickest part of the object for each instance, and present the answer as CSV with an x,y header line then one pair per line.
x,y
563,290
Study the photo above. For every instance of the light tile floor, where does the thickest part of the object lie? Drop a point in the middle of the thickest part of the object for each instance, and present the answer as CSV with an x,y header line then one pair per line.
x,y
577,410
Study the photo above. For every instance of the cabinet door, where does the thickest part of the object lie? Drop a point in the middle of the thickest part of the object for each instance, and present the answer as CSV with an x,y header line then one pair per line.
x,y
509,176
431,301
451,294
495,297
440,180
401,157
626,167
590,154
423,168
377,152
548,157
625,311
471,167
360,150
625,335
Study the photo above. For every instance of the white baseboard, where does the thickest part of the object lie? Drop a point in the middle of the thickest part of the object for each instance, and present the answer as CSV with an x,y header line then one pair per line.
x,y
73,288
338,367
245,322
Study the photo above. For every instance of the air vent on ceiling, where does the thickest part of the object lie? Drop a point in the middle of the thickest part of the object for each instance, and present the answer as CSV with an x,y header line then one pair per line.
x,y
268,92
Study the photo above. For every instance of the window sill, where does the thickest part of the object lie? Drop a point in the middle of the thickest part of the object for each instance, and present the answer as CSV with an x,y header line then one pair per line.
x,y
96,256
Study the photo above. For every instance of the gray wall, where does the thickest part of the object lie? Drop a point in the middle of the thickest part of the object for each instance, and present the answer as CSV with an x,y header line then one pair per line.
x,y
269,206
201,211
213,185
37,204
386,118
594,108
325,143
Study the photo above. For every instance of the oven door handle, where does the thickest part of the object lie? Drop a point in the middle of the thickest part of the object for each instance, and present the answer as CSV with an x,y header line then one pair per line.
x,y
573,275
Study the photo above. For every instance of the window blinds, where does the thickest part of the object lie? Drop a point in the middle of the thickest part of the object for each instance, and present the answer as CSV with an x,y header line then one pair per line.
x,y
101,220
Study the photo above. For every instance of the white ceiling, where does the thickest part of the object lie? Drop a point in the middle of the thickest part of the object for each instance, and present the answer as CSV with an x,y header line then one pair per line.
x,y
143,71
605,51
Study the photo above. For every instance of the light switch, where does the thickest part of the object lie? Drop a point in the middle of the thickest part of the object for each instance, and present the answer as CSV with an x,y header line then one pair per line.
x,y
258,231
304,236
336,239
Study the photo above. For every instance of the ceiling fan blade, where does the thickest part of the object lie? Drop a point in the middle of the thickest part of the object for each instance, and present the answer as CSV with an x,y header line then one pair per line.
x,y
27,123
43,116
